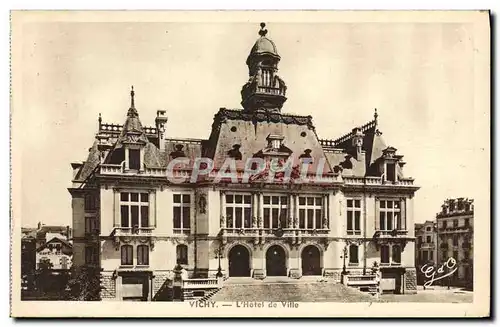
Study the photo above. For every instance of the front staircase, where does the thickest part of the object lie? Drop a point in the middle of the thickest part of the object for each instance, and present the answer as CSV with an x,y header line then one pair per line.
x,y
298,291
365,283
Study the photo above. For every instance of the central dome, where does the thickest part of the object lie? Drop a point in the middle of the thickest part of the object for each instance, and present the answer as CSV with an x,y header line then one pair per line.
x,y
264,46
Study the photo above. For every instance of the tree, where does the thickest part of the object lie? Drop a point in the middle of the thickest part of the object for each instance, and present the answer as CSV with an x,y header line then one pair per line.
x,y
84,284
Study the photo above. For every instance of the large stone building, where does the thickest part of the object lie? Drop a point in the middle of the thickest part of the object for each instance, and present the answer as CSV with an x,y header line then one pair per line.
x,y
455,235
135,223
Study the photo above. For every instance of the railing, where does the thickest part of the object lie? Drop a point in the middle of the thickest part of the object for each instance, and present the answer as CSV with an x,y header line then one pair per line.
x,y
361,280
109,169
117,128
131,231
155,171
392,233
200,283
270,90
375,181
283,232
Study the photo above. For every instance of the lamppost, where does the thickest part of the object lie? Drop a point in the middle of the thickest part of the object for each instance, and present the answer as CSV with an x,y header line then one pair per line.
x,y
344,256
218,255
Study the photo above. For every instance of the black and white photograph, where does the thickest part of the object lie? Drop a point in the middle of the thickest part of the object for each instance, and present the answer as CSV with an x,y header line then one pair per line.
x,y
268,164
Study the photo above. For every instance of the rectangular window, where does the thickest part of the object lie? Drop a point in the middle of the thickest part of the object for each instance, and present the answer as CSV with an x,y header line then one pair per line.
x,y
310,212
353,217
134,209
390,215
182,213
466,222
431,255
425,258
90,202
455,255
142,255
239,211
134,159
428,239
127,255
91,255
455,240
91,226
275,211
391,172
384,254
445,225
455,223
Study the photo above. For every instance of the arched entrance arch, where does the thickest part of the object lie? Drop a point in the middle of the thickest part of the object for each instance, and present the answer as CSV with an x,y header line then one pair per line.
x,y
311,261
239,261
275,261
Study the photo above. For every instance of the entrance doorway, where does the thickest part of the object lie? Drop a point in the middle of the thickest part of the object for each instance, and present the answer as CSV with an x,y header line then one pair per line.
x,y
239,262
311,261
276,261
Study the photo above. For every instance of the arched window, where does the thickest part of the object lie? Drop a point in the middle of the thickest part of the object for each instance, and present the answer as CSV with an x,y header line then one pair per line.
x,y
396,254
182,254
353,254
143,255
127,255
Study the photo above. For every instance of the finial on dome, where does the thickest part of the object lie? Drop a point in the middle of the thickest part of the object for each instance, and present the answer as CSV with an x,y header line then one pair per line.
x,y
375,115
132,94
263,30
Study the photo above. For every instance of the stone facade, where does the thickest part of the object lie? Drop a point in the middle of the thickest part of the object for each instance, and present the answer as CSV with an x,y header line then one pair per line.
x,y
351,205
108,282
410,281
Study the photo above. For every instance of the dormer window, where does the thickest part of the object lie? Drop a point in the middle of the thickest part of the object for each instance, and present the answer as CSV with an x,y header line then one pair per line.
x,y
134,159
391,172
275,142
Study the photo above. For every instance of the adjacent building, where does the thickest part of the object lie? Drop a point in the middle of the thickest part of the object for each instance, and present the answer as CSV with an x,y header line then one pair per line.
x,y
46,246
455,231
134,223
426,248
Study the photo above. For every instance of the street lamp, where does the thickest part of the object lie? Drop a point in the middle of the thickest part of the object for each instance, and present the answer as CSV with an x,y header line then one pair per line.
x,y
218,255
344,256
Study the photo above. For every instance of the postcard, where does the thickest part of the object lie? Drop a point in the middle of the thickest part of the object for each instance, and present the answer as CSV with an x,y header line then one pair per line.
x,y
250,164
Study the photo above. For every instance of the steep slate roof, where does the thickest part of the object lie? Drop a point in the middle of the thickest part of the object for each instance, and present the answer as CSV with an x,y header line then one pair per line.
x,y
250,130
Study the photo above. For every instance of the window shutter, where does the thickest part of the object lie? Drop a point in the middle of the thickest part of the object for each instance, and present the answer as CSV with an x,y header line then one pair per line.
x,y
377,214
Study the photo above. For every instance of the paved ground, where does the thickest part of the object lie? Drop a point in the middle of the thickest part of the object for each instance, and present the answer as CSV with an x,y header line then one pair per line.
x,y
437,295
312,290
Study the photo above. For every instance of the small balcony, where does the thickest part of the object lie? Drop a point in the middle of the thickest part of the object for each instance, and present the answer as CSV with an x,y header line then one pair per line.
x,y
444,246
395,233
132,231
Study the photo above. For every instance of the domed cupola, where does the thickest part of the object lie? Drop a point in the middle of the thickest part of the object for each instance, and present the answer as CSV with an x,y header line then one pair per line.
x,y
265,90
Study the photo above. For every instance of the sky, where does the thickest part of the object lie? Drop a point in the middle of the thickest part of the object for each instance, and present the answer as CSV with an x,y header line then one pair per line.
x,y
419,76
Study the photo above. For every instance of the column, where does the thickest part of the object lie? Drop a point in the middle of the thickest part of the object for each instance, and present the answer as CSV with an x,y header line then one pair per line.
x,y
141,163
254,209
152,208
290,215
261,210
116,211
126,158
222,209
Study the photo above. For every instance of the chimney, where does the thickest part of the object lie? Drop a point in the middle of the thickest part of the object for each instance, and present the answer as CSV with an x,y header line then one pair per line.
x,y
39,225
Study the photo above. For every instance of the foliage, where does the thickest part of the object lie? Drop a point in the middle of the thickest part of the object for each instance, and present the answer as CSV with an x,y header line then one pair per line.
x,y
84,284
